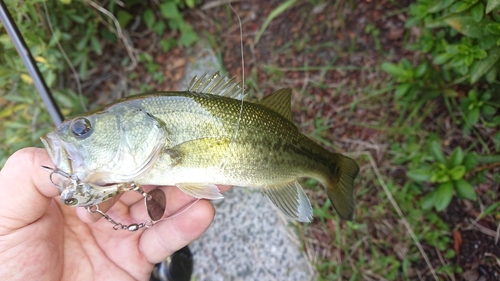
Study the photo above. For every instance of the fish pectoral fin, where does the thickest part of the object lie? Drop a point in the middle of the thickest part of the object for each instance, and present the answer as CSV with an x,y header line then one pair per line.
x,y
197,151
291,200
201,190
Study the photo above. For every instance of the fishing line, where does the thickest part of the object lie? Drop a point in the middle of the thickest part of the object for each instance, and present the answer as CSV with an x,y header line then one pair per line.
x,y
242,73
180,212
242,94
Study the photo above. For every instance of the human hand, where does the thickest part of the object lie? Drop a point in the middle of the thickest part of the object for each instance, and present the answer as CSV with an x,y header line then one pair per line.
x,y
42,239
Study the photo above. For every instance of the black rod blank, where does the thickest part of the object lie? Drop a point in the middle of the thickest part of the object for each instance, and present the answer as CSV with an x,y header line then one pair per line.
x,y
30,64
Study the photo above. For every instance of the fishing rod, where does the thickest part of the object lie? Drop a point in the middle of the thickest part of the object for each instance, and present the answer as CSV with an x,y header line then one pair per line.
x,y
29,62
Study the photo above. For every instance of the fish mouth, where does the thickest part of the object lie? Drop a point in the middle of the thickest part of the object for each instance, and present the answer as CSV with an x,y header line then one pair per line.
x,y
64,159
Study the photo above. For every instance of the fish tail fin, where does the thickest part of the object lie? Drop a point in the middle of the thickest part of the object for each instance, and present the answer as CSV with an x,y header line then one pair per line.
x,y
340,187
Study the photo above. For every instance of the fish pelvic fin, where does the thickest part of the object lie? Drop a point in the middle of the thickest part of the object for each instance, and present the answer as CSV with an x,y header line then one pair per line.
x,y
340,188
291,200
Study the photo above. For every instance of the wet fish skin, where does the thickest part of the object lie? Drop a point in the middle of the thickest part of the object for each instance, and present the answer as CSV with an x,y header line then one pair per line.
x,y
196,139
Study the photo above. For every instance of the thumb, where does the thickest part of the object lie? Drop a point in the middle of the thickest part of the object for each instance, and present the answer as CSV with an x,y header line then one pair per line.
x,y
25,188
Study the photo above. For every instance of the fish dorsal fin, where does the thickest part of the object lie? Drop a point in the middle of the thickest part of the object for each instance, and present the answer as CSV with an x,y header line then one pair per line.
x,y
217,84
291,200
280,102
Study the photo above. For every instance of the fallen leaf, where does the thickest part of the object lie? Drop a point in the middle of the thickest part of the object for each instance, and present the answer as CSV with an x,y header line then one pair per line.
x,y
457,241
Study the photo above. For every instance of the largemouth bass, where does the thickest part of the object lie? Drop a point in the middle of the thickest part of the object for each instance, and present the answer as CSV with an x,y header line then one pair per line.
x,y
195,139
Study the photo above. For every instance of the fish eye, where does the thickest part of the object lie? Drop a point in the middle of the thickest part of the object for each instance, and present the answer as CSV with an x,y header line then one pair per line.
x,y
81,127
70,201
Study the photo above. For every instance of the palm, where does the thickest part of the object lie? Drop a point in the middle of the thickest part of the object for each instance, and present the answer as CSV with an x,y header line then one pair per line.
x,y
69,249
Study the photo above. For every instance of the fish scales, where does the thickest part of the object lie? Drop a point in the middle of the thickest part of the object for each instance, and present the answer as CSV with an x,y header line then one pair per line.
x,y
195,140
264,151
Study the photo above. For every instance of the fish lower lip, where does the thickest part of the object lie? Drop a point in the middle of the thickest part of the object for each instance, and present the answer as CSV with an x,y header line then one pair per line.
x,y
57,152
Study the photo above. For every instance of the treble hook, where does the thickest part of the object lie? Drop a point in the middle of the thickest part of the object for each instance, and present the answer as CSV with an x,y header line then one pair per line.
x,y
73,178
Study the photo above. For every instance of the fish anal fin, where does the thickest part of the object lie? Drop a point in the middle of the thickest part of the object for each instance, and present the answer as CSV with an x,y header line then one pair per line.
x,y
280,102
291,200
201,190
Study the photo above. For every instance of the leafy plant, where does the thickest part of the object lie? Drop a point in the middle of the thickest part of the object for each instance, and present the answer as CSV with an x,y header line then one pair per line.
x,y
447,174
171,17
412,80
475,105
468,40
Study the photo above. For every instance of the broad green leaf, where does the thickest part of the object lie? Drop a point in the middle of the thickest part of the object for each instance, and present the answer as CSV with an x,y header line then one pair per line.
x,y
456,158
77,18
419,175
169,10
477,12
149,18
406,63
420,70
450,93
472,94
428,201
488,110
462,69
480,54
469,60
56,36
391,68
470,161
491,76
440,176
444,193
488,41
439,5
190,3
167,44
493,28
467,26
465,190
485,96
442,58
437,152
491,5
50,78
96,45
473,116
159,27
401,90
461,6
188,37
457,172
123,18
